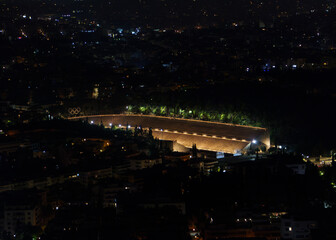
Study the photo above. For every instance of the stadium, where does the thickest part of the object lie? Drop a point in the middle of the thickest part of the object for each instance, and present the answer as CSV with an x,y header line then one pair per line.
x,y
184,133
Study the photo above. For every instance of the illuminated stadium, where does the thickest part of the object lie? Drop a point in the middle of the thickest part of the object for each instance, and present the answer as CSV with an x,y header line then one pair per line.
x,y
209,136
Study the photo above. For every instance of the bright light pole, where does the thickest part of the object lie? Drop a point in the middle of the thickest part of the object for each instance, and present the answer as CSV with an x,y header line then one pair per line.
x,y
252,142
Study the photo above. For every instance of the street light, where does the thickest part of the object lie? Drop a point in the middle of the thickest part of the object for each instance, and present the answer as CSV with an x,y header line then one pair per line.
x,y
252,142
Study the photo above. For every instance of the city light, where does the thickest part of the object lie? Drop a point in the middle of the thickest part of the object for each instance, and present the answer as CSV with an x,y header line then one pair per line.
x,y
218,100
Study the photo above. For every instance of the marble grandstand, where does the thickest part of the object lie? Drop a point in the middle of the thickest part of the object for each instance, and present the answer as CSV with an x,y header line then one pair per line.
x,y
209,136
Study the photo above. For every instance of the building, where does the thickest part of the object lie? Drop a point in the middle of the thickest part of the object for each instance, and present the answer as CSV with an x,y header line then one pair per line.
x,y
206,166
164,203
138,164
21,209
109,194
16,216
94,175
11,147
295,228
